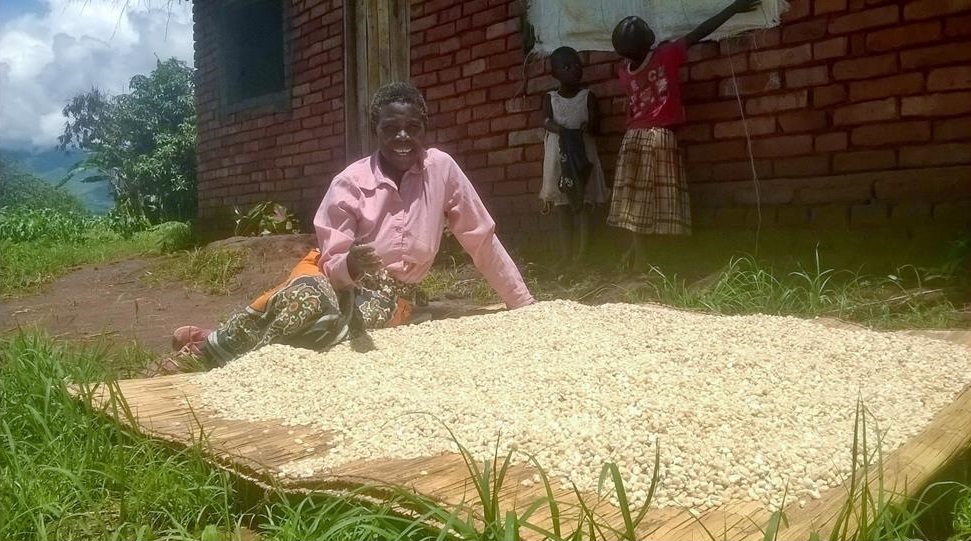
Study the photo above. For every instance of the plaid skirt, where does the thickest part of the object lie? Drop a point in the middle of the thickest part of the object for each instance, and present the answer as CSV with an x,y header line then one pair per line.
x,y
305,311
650,194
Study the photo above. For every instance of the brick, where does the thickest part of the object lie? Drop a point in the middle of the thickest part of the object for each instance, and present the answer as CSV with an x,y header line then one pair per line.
x,y
805,31
792,215
797,9
524,170
946,154
802,121
955,27
865,68
698,92
806,166
509,122
505,157
867,160
911,213
958,212
782,146
712,111
952,103
831,48
836,215
954,53
750,84
952,129
721,67
716,152
868,214
474,67
736,128
526,137
702,50
510,187
903,36
896,85
828,95
933,184
491,142
740,170
868,111
503,28
802,77
776,102
953,78
871,18
830,142
821,7
775,58
893,133
694,133
925,9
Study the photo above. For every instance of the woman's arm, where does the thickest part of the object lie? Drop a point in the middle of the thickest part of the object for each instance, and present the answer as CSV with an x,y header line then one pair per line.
x,y
336,224
475,230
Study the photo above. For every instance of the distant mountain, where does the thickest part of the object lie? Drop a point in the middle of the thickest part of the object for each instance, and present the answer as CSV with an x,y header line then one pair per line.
x,y
53,165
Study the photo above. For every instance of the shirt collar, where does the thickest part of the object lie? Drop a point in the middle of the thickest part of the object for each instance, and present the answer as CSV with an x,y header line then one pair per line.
x,y
378,176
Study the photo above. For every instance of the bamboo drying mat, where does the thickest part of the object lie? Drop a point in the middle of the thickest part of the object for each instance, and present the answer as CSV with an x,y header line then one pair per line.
x,y
168,408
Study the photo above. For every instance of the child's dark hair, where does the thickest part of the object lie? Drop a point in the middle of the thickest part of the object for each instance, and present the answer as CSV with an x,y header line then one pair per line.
x,y
397,92
631,32
563,54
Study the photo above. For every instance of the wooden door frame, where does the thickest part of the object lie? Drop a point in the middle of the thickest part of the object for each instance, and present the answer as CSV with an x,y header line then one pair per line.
x,y
371,60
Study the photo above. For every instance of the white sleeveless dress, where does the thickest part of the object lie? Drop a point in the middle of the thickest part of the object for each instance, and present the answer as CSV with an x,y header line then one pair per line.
x,y
570,113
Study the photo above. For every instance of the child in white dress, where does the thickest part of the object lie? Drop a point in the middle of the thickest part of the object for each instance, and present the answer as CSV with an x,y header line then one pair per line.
x,y
568,108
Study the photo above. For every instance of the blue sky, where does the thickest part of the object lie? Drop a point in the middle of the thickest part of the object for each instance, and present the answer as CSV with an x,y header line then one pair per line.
x,y
51,50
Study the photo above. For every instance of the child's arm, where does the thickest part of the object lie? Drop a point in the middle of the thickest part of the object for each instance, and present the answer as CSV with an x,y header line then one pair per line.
x,y
548,121
712,24
593,114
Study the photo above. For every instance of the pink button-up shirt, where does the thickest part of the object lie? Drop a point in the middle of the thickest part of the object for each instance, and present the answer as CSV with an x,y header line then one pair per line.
x,y
404,224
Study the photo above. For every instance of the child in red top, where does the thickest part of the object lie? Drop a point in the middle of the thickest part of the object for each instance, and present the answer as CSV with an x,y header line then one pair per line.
x,y
650,195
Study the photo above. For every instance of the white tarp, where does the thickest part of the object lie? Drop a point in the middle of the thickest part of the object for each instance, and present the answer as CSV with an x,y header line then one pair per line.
x,y
586,25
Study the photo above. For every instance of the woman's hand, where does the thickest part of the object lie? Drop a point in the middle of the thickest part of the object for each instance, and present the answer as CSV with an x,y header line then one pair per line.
x,y
361,259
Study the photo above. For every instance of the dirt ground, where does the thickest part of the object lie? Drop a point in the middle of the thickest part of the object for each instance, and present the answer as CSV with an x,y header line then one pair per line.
x,y
113,301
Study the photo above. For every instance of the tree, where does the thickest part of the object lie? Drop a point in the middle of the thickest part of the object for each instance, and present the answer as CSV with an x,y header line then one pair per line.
x,y
142,143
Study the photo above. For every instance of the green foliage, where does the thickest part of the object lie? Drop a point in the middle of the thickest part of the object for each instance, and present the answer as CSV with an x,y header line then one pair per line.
x,y
27,224
265,218
962,515
142,142
68,474
168,237
22,190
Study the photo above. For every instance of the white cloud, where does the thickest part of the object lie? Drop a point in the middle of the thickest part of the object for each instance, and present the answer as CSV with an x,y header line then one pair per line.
x,y
46,58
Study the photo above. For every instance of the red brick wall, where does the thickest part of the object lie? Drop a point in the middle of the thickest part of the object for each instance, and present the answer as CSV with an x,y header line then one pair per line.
x,y
287,156
859,112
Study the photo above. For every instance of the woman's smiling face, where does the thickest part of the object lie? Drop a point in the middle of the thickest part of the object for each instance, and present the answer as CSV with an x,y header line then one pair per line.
x,y
401,136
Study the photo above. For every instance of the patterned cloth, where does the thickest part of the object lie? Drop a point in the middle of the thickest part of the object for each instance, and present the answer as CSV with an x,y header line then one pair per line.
x,y
650,187
305,311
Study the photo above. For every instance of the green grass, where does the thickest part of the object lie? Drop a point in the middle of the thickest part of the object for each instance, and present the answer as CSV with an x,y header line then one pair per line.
x,y
903,297
66,473
25,267
209,271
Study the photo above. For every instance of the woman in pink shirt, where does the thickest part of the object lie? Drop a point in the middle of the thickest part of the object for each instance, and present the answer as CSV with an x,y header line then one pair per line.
x,y
650,192
379,228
